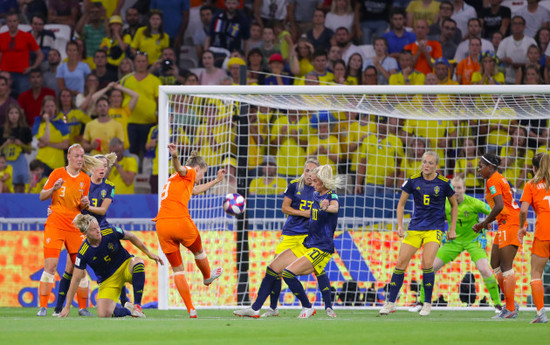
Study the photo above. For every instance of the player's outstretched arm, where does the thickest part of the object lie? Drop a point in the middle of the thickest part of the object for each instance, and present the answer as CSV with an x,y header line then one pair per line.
x,y
451,234
78,275
181,170
523,220
206,186
141,246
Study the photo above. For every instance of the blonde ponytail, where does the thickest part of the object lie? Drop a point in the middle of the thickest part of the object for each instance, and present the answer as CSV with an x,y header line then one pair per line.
x,y
330,181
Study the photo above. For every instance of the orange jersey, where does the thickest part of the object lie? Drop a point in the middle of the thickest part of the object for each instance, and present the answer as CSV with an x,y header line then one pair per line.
x,y
539,199
66,200
497,185
176,194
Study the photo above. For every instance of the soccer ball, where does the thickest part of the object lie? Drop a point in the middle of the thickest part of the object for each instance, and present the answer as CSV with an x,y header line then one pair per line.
x,y
234,204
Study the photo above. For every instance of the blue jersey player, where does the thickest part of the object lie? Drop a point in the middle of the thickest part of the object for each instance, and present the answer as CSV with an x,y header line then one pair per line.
x,y
101,196
295,247
297,202
112,264
430,192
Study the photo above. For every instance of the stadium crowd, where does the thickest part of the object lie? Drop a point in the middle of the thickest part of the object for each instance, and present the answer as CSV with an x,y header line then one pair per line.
x,y
88,72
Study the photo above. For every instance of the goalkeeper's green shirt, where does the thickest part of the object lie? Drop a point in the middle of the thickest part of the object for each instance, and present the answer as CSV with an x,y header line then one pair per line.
x,y
468,215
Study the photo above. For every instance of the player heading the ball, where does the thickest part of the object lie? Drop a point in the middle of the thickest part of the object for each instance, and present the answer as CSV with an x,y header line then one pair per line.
x,y
174,223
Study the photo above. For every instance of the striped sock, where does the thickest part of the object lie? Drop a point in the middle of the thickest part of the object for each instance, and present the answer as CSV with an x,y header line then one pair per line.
x,y
63,288
296,288
324,286
428,279
138,281
275,293
396,282
265,288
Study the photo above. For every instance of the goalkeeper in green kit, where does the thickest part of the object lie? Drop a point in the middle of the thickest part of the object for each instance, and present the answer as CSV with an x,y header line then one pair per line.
x,y
469,209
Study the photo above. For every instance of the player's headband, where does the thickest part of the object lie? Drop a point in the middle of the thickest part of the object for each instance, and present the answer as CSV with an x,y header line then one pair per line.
x,y
73,146
488,161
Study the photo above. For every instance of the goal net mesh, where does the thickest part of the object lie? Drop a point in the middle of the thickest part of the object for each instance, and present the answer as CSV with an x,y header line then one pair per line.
x,y
375,137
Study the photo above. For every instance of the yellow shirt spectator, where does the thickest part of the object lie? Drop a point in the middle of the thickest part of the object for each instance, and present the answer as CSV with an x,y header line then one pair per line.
x,y
128,164
152,45
76,120
121,115
148,89
103,131
53,157
418,11
290,136
268,185
415,78
108,43
381,156
8,183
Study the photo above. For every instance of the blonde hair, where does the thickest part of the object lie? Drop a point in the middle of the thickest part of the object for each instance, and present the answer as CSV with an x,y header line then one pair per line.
x,y
543,171
196,160
91,163
433,154
330,181
302,178
110,157
459,178
83,221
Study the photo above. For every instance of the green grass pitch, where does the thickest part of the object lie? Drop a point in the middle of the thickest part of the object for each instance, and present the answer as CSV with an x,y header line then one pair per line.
x,y
21,326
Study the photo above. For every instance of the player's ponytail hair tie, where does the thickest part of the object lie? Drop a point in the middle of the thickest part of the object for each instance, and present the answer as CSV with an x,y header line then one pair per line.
x,y
491,159
110,157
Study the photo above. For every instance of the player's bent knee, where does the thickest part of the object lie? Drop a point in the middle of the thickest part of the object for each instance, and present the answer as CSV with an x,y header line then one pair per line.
x,y
200,255
84,283
47,277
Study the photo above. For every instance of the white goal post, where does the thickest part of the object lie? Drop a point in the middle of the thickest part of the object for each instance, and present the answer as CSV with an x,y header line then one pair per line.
x,y
371,134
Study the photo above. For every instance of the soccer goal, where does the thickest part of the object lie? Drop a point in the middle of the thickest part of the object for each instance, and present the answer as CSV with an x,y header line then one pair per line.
x,y
375,136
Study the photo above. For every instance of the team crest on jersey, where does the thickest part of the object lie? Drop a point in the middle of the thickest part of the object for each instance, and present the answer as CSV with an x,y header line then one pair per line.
x,y
81,184
111,247
436,190
103,193
418,188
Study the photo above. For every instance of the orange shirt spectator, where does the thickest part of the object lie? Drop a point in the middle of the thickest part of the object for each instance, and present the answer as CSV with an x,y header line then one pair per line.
x,y
424,50
465,69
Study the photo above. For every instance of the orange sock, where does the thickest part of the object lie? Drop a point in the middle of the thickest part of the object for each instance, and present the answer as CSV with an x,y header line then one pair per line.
x,y
82,294
183,289
45,291
510,290
537,291
204,266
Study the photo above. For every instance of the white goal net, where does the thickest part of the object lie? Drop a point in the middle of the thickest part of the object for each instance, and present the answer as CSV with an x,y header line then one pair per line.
x,y
374,136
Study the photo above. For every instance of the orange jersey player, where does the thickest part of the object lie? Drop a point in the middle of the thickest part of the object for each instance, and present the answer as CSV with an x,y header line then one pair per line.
x,y
68,189
505,246
537,194
174,223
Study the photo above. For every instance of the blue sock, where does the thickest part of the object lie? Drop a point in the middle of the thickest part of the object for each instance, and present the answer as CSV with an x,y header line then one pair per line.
x,y
265,288
324,286
428,279
296,288
124,296
121,312
138,281
275,293
396,283
63,288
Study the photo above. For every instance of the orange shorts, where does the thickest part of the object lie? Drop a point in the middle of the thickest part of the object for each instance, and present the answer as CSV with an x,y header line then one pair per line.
x,y
175,231
507,235
541,248
54,238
